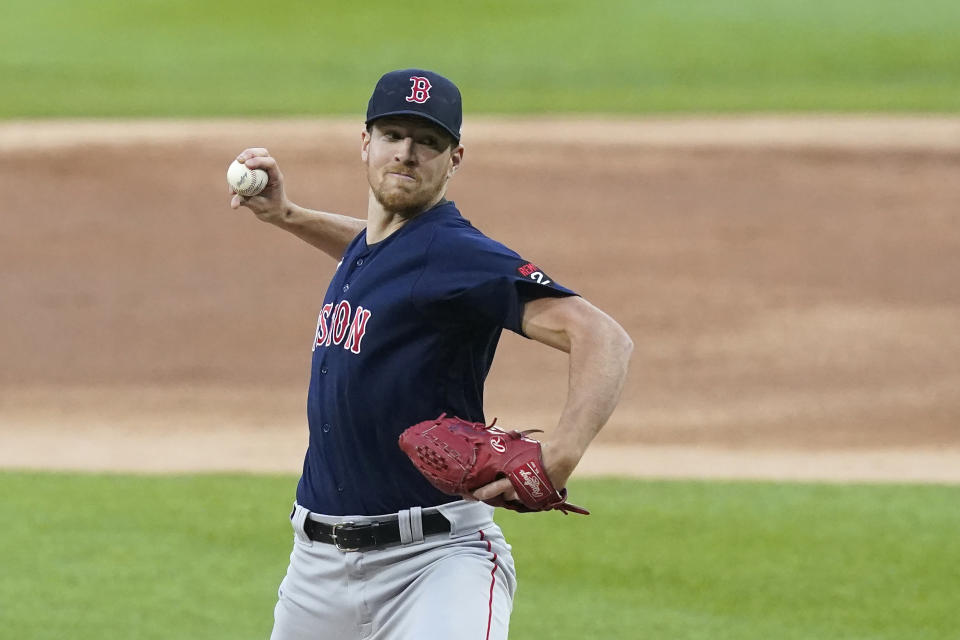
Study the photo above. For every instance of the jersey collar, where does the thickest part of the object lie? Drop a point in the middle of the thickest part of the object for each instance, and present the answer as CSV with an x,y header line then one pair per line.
x,y
443,208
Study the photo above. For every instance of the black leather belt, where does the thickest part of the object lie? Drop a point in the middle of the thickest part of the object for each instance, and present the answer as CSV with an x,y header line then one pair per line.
x,y
354,536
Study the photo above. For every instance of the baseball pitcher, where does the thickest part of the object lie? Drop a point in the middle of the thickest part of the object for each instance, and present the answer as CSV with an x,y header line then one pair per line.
x,y
394,537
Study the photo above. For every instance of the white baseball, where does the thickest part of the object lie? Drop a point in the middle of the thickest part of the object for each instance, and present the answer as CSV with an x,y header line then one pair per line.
x,y
246,182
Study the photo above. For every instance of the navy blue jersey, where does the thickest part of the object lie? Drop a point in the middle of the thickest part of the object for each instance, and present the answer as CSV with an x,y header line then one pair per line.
x,y
408,330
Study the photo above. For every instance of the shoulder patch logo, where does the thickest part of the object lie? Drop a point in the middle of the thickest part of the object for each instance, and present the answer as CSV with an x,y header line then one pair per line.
x,y
420,91
532,271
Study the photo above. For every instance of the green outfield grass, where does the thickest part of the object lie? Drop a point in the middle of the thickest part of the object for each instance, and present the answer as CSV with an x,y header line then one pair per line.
x,y
249,57
89,557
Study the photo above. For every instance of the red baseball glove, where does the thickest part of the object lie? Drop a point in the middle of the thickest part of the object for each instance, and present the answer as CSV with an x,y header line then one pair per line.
x,y
458,456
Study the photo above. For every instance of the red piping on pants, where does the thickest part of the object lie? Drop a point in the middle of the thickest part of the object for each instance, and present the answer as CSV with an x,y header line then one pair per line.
x,y
493,581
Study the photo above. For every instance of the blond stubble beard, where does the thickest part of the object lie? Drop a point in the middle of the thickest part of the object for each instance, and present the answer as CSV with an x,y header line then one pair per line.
x,y
403,203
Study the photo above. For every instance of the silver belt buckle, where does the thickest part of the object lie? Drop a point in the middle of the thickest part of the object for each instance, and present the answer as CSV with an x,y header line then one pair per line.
x,y
333,533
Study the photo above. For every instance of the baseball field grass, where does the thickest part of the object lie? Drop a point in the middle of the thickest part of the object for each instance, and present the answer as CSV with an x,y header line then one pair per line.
x,y
246,57
141,557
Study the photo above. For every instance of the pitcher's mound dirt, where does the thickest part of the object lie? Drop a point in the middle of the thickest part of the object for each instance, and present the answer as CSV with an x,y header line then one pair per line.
x,y
791,286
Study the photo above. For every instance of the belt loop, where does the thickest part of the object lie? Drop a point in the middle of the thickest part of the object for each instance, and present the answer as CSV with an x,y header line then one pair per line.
x,y
299,517
406,532
416,524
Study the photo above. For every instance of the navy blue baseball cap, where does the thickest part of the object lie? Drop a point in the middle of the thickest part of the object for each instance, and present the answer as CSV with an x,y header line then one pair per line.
x,y
417,92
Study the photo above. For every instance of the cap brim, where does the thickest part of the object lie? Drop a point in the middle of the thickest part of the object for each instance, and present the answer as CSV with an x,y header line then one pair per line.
x,y
419,114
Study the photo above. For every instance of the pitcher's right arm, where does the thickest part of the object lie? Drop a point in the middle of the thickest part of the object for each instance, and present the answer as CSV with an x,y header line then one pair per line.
x,y
329,232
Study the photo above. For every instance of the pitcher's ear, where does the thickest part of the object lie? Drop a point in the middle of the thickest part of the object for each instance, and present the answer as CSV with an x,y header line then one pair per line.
x,y
365,139
456,159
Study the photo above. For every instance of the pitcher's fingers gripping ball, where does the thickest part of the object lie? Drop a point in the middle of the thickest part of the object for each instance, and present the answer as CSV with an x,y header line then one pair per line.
x,y
458,456
246,182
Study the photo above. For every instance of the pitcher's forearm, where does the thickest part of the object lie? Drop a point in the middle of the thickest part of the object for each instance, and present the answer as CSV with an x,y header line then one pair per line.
x,y
329,232
599,360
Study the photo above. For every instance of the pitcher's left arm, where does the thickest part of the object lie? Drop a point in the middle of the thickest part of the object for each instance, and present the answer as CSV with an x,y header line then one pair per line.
x,y
599,351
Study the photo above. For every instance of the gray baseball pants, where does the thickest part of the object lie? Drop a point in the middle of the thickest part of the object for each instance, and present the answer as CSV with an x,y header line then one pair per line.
x,y
448,586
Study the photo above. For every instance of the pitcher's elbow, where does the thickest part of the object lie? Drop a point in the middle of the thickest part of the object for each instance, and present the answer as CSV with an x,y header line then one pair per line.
x,y
619,338
625,340
628,342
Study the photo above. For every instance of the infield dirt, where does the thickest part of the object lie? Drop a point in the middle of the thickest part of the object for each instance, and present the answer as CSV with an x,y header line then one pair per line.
x,y
792,287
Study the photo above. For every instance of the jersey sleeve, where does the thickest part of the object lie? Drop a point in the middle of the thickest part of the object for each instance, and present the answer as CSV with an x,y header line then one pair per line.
x,y
473,279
